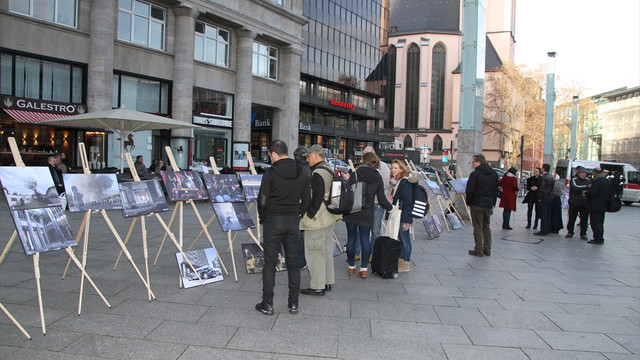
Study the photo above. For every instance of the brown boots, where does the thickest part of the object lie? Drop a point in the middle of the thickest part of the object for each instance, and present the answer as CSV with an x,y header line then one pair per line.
x,y
403,266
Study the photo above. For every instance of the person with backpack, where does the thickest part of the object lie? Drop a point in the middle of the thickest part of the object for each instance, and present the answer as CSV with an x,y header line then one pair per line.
x,y
402,182
318,224
509,185
359,223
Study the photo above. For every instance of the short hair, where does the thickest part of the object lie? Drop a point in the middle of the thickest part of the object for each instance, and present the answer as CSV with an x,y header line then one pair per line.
x,y
370,157
301,153
546,167
403,167
138,157
279,147
480,158
317,149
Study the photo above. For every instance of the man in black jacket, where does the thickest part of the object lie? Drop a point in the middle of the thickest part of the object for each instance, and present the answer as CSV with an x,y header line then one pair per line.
x,y
578,203
544,192
283,197
530,198
481,195
597,196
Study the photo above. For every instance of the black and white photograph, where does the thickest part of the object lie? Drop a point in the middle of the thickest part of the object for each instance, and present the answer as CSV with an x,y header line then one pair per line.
x,y
184,185
28,187
142,198
223,188
92,192
436,220
455,222
253,258
251,186
206,264
435,188
432,230
44,229
233,216
459,185
444,191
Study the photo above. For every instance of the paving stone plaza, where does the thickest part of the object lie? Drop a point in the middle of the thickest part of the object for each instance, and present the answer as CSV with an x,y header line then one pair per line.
x,y
534,298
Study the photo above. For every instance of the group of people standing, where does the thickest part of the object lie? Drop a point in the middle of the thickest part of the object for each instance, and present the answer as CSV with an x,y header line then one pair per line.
x,y
292,206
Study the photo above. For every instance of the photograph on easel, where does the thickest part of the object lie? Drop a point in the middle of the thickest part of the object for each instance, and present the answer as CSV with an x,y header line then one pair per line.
x,y
92,192
142,198
233,216
43,230
455,222
253,258
184,185
223,188
459,185
444,191
435,188
206,264
28,187
430,227
250,186
436,220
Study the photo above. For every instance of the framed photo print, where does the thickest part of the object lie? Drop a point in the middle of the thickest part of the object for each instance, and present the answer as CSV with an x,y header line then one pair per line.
x,y
251,186
459,185
253,258
430,227
184,185
444,191
142,198
92,192
233,216
435,188
206,264
223,188
28,187
436,221
43,230
455,222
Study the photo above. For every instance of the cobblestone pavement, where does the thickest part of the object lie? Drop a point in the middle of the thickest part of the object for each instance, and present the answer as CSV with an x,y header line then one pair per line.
x,y
534,298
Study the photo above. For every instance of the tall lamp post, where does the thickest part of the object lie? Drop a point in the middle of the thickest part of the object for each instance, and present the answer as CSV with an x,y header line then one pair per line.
x,y
551,98
574,126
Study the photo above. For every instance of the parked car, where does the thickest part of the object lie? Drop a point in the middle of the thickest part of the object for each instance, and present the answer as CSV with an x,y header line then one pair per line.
x,y
431,170
337,164
205,272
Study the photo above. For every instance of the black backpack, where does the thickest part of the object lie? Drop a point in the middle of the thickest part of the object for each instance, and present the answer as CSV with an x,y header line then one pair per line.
x,y
420,202
340,201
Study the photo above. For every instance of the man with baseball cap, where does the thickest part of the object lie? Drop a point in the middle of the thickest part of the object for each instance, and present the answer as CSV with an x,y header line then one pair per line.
x,y
578,203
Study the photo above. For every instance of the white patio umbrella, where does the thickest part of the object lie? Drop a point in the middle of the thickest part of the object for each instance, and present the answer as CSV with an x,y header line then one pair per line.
x,y
121,121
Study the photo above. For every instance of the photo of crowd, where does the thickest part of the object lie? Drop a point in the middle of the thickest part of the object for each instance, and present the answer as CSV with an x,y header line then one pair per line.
x,y
223,188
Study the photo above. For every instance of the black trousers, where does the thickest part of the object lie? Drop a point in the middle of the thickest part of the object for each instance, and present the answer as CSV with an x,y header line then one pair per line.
x,y
531,205
597,225
281,232
574,211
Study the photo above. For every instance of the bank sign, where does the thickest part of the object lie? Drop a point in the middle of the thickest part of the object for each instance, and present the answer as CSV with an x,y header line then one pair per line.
x,y
15,103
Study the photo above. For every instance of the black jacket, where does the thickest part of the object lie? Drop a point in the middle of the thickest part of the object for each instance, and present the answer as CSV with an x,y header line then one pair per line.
x,y
284,190
375,187
598,194
576,187
482,187
545,186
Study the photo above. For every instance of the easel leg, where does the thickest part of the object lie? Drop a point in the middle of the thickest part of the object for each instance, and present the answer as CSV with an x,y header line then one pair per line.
x,y
126,240
6,248
84,260
15,322
84,273
146,257
36,270
202,232
206,231
173,216
78,241
175,242
233,260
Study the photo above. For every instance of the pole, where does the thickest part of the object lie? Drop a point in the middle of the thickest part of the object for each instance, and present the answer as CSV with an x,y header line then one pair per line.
x,y
550,100
574,127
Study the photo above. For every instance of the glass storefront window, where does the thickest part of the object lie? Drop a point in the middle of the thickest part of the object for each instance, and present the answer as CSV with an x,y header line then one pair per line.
x,y
209,102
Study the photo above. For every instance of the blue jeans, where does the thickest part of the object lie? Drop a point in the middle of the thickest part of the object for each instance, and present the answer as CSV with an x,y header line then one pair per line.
x,y
545,215
506,217
405,240
378,213
358,234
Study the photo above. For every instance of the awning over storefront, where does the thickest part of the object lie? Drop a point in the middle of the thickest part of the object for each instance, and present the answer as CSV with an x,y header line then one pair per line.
x,y
32,117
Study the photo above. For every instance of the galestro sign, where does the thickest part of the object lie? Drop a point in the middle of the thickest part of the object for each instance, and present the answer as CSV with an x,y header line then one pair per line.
x,y
343,104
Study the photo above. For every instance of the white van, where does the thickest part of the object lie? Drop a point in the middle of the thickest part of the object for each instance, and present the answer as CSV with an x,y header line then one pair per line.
x,y
630,187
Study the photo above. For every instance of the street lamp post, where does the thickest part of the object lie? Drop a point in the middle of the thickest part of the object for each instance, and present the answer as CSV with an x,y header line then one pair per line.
x,y
551,98
574,127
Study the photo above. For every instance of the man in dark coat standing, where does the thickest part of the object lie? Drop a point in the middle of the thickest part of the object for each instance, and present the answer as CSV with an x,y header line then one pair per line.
x,y
597,196
283,197
481,195
544,192
578,203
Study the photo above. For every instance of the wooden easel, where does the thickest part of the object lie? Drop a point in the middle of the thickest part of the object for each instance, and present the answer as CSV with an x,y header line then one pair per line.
x,y
179,208
84,226
449,203
36,259
461,196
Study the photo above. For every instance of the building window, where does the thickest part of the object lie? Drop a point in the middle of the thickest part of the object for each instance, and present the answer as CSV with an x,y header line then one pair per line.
x,y
438,62
389,88
437,144
141,23
212,103
279,2
61,12
265,60
413,87
150,96
33,78
211,44
408,142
